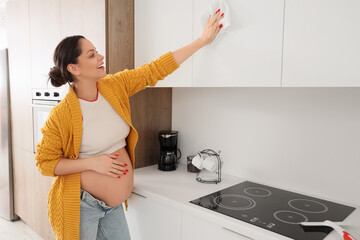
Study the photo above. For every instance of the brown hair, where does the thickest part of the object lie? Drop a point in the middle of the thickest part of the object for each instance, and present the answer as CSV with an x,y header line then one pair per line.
x,y
66,52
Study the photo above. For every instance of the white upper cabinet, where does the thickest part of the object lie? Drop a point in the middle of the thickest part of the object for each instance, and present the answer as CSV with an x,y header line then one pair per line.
x,y
163,26
249,54
85,18
322,43
51,21
44,37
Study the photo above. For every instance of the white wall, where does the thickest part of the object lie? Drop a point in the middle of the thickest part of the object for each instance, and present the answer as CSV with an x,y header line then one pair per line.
x,y
301,139
3,32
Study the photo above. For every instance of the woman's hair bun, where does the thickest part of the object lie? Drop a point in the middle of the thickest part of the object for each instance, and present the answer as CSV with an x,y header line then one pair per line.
x,y
66,52
55,77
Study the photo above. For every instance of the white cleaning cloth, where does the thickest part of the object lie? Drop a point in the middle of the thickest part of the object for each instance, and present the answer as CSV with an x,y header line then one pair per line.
x,y
226,21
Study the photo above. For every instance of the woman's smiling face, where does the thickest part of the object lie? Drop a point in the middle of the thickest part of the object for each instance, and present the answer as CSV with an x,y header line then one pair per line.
x,y
89,62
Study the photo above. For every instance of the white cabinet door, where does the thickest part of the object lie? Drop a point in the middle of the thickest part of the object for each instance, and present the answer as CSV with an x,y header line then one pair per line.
x,y
321,43
17,21
162,26
87,18
247,55
197,228
44,37
152,220
51,21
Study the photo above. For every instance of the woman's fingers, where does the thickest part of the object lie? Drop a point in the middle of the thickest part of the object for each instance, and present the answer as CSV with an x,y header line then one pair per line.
x,y
217,30
118,172
120,168
216,18
111,174
218,21
113,156
118,163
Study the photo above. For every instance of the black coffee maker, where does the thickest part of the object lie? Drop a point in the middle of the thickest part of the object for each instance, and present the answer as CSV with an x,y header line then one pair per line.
x,y
168,150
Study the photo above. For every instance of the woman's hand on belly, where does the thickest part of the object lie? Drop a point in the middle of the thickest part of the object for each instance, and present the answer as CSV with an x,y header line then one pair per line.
x,y
112,191
108,164
123,157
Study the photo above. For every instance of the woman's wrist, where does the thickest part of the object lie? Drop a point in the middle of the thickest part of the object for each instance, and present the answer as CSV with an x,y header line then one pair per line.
x,y
200,42
67,166
90,163
183,53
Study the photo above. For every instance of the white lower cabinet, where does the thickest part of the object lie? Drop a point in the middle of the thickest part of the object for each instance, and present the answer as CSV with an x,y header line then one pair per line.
x,y
194,227
152,220
149,219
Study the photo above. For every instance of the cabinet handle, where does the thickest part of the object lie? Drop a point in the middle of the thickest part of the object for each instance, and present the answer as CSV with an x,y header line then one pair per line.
x,y
238,233
139,195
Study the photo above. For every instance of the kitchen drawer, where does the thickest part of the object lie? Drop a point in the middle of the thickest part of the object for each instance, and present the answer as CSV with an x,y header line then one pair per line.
x,y
194,227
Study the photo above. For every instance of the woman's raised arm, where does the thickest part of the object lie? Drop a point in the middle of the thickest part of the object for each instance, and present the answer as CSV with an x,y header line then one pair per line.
x,y
135,80
211,30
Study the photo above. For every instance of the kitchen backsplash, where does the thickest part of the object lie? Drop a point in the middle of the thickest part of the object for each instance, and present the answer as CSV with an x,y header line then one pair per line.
x,y
301,139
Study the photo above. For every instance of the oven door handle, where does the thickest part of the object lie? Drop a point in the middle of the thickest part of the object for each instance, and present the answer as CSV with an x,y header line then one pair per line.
x,y
41,106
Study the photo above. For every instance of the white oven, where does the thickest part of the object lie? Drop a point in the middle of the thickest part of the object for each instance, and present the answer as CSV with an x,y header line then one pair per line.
x,y
43,100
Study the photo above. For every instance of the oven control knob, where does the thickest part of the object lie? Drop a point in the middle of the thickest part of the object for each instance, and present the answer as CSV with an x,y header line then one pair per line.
x,y
47,94
56,94
38,93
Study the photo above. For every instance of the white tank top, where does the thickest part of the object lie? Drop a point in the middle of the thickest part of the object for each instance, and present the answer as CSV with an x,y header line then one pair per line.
x,y
104,130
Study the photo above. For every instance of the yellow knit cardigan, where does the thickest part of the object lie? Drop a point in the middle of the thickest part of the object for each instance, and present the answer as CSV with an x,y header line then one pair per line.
x,y
62,133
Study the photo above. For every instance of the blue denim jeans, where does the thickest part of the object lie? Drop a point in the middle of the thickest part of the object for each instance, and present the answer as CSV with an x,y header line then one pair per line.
x,y
99,221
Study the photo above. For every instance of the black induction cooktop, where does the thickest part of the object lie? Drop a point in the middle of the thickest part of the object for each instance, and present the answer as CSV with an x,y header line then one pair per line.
x,y
276,210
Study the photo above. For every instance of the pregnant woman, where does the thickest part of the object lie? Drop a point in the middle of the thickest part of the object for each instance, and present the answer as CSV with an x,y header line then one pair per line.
x,y
88,139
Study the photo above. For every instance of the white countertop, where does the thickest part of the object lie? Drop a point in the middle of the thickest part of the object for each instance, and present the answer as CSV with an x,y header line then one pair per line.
x,y
177,188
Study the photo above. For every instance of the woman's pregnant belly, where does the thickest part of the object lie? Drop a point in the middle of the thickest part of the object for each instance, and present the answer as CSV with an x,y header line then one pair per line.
x,y
112,191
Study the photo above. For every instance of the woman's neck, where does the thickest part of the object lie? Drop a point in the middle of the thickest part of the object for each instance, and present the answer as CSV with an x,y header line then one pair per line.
x,y
87,92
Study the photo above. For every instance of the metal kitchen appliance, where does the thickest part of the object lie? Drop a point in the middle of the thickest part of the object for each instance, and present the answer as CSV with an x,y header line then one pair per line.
x,y
168,150
43,100
6,159
275,209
